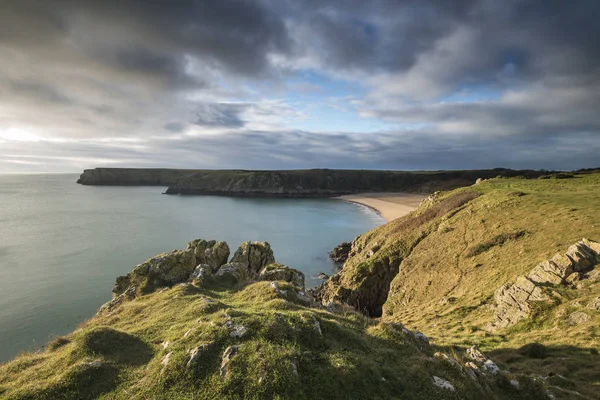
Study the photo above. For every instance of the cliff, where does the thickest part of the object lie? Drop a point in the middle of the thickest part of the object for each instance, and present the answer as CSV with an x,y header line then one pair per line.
x,y
132,176
326,182
291,183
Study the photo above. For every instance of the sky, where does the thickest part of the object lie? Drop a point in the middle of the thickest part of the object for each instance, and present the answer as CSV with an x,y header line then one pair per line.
x,y
284,84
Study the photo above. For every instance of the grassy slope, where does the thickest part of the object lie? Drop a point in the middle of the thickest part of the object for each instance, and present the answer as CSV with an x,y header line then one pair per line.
x,y
445,286
283,355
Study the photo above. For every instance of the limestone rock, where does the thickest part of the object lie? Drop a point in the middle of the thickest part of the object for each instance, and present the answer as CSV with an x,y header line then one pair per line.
x,y
513,302
201,272
211,252
442,383
163,270
108,307
475,354
578,318
228,355
340,252
195,354
232,274
254,256
279,272
594,304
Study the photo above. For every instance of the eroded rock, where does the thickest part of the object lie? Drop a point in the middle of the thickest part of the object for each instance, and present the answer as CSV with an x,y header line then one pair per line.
x,y
279,272
211,253
195,354
340,252
232,274
254,256
228,355
443,383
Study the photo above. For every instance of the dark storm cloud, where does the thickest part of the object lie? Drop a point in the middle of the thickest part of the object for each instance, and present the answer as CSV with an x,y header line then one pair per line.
x,y
485,83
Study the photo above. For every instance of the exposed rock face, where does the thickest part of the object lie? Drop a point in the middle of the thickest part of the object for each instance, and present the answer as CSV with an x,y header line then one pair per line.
x,y
340,252
132,176
232,274
205,261
211,253
254,256
163,270
326,182
279,272
228,355
513,302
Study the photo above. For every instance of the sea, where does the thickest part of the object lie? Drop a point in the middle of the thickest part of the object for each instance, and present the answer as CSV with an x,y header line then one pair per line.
x,y
62,244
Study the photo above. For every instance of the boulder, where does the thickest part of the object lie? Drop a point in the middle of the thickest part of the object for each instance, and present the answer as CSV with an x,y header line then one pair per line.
x,y
547,272
340,252
279,272
200,274
578,318
163,270
442,383
232,274
583,256
212,253
254,256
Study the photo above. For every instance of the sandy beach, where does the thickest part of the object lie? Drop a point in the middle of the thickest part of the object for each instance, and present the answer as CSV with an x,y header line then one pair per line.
x,y
389,205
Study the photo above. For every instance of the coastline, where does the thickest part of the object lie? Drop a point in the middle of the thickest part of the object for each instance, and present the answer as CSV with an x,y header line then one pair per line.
x,y
389,206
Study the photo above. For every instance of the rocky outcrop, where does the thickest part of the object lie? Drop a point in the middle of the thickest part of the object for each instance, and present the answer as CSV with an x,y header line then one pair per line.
x,y
340,252
279,272
254,256
514,302
132,176
204,261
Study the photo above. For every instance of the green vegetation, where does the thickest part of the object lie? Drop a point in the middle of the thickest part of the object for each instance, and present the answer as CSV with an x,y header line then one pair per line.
x,y
290,350
449,269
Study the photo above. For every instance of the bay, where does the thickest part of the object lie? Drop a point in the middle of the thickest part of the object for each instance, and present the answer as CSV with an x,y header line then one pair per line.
x,y
62,245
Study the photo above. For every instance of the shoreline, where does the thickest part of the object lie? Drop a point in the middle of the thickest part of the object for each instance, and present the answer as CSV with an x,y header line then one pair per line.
x,y
389,206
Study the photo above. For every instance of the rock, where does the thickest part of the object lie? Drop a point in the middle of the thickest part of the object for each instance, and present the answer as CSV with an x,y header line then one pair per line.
x,y
573,278
475,354
583,256
108,307
165,344
201,272
419,337
513,302
163,270
254,256
547,272
442,383
232,274
211,253
195,354
322,276
594,304
238,331
578,318
279,272
447,358
317,326
479,180
303,297
514,383
228,355
340,252
490,366
166,359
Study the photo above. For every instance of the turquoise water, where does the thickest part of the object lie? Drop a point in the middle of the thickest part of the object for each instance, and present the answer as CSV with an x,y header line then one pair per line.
x,y
62,245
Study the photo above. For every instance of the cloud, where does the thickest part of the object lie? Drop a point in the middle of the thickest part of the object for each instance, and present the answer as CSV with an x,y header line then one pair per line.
x,y
467,83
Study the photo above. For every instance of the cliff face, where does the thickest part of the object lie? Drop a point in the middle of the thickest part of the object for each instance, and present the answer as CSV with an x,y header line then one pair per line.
x,y
132,176
290,183
325,182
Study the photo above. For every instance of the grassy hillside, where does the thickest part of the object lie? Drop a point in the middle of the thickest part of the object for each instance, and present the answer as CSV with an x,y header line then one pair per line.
x,y
443,263
253,340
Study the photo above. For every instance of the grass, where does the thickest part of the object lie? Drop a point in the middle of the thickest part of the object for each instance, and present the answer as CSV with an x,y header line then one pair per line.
x,y
290,351
469,252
